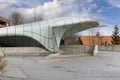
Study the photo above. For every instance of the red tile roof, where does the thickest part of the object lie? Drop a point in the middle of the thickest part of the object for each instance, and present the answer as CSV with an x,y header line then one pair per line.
x,y
4,20
89,40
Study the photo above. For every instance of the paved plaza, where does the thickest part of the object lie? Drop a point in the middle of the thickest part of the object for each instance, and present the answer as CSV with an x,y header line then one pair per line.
x,y
104,66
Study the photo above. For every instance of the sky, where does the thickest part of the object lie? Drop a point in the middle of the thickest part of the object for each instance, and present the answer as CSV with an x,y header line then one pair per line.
x,y
104,11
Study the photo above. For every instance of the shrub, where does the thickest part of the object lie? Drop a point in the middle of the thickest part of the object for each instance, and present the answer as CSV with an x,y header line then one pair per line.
x,y
2,64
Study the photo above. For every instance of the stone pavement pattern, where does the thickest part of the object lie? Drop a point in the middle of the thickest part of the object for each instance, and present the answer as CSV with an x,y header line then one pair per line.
x,y
105,66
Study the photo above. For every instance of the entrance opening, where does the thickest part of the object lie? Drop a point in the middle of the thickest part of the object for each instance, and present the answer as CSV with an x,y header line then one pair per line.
x,y
19,41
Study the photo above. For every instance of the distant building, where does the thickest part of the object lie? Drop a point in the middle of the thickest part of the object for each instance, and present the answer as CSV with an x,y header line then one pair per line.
x,y
101,40
87,40
71,40
4,22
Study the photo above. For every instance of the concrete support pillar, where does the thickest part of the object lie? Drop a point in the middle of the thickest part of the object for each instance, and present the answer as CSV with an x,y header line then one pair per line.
x,y
95,51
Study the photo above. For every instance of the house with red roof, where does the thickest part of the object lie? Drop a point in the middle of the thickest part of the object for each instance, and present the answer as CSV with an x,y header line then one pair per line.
x,y
4,22
95,40
88,40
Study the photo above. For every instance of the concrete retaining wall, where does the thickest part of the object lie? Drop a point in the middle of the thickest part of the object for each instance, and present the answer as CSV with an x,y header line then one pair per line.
x,y
109,48
66,49
24,51
77,49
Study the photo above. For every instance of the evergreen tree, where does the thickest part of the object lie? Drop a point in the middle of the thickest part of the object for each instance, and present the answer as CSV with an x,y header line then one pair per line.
x,y
116,35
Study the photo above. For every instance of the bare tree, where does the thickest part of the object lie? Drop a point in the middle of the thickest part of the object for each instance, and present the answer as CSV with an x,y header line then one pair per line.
x,y
39,18
92,33
94,36
16,18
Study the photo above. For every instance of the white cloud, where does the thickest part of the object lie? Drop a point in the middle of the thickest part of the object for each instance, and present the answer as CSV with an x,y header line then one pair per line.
x,y
51,9
106,31
2,6
115,3
47,10
89,1
30,3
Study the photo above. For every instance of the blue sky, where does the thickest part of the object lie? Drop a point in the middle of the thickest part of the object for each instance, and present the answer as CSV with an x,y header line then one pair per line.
x,y
104,11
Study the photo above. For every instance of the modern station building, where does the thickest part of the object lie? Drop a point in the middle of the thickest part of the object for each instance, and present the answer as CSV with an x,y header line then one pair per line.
x,y
47,33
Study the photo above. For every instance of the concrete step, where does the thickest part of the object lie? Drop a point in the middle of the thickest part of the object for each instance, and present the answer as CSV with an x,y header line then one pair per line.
x,y
66,56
